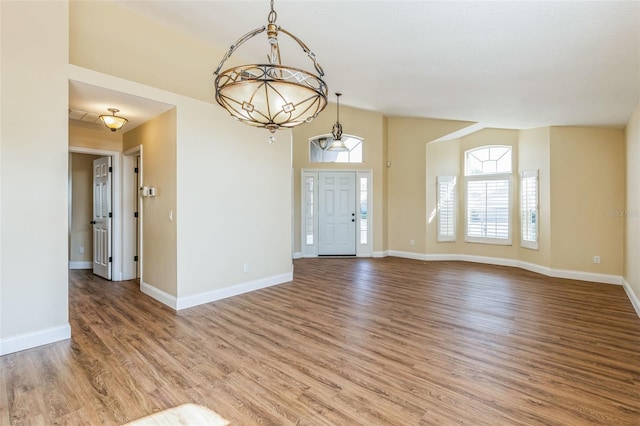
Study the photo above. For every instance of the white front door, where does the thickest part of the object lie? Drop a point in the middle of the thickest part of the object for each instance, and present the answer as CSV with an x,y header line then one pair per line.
x,y
102,217
337,213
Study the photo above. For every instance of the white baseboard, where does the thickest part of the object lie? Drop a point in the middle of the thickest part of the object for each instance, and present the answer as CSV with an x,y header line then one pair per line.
x,y
223,293
587,276
407,255
212,296
31,340
635,301
159,295
380,253
81,265
556,273
297,255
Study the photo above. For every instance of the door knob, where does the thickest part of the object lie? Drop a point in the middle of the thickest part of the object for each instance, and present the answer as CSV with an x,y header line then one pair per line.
x,y
353,220
93,222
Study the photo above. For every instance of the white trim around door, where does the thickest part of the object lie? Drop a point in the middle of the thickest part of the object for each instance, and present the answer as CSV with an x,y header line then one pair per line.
x,y
309,212
116,182
132,234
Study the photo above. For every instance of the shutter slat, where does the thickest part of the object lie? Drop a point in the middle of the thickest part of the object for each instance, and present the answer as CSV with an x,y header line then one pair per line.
x,y
529,208
488,208
446,208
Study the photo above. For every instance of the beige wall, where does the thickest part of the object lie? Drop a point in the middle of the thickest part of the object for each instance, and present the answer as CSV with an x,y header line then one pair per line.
x,y
233,189
581,176
385,188
406,183
442,159
587,185
163,58
80,229
356,122
534,154
632,210
34,209
158,140
234,201
94,136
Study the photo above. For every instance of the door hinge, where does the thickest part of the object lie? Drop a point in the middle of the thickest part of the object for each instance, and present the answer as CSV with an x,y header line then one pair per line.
x,y
135,214
135,170
110,214
110,259
135,258
110,169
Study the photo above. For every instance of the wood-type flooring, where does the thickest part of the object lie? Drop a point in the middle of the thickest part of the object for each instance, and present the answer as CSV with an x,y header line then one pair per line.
x,y
349,342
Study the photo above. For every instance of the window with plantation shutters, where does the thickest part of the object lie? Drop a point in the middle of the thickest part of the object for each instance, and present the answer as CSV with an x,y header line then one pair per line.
x,y
529,209
488,195
446,211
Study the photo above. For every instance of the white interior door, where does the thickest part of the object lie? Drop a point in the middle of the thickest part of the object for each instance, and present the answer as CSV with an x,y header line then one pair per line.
x,y
102,217
337,213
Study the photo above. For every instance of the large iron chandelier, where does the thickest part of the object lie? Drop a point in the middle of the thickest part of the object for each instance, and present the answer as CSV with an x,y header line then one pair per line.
x,y
271,95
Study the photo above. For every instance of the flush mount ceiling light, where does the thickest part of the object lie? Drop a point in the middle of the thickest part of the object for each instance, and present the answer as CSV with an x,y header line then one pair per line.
x,y
271,96
113,122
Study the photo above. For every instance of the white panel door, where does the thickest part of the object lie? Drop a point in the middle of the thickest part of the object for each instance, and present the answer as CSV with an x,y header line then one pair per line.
x,y
337,213
102,217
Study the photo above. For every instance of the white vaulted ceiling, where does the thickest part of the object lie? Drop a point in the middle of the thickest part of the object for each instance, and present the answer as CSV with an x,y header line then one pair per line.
x,y
514,64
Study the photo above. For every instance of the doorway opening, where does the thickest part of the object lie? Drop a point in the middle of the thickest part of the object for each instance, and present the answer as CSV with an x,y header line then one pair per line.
x,y
336,211
125,258
81,210
85,215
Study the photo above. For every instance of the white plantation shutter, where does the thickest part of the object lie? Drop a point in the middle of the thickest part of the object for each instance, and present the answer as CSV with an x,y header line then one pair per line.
x,y
488,213
446,208
529,209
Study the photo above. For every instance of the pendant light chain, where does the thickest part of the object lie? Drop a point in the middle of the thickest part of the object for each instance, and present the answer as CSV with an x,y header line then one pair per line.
x,y
337,128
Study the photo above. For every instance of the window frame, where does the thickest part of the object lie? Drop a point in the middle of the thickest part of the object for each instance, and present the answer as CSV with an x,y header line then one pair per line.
x,y
530,244
449,181
487,177
315,144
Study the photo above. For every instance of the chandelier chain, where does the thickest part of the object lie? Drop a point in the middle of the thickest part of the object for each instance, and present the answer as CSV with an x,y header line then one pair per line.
x,y
272,14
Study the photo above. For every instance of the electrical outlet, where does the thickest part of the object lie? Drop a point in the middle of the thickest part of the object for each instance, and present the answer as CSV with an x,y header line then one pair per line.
x,y
245,267
596,259
81,250
412,242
